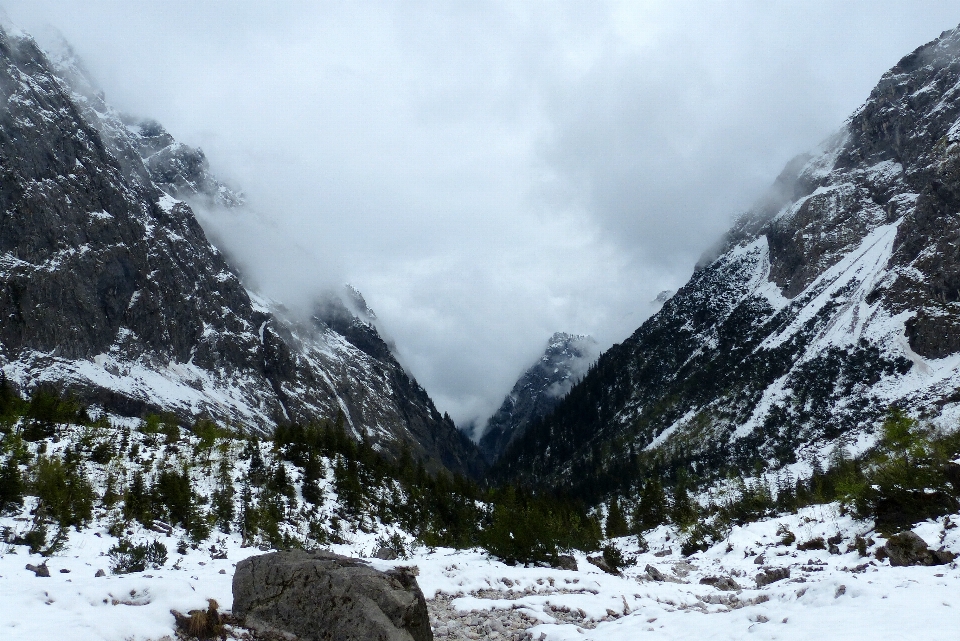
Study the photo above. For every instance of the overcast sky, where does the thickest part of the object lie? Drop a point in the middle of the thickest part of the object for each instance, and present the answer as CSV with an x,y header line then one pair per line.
x,y
489,173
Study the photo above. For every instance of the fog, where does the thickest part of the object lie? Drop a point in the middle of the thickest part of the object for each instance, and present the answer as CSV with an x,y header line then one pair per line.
x,y
488,173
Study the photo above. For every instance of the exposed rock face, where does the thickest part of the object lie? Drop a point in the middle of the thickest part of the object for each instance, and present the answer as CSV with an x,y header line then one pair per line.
x,y
320,595
835,297
109,286
538,391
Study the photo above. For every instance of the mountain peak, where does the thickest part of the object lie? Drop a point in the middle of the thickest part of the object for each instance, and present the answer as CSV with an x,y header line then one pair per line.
x,y
565,360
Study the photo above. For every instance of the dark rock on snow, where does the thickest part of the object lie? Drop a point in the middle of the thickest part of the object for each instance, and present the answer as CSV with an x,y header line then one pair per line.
x,y
601,563
724,583
39,570
907,548
386,553
566,562
654,573
320,595
771,575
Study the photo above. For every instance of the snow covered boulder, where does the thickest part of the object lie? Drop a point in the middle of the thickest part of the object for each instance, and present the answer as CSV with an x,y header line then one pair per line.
x,y
320,595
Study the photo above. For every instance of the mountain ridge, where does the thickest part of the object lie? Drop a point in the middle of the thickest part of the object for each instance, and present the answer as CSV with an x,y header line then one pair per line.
x,y
538,390
835,297
108,285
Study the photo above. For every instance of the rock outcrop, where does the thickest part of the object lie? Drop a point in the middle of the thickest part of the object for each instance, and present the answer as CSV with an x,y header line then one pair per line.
x,y
320,595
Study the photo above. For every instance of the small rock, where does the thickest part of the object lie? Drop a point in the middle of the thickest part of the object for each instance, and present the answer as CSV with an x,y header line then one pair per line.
x,y
833,549
943,556
759,560
813,544
223,571
100,573
39,570
567,562
654,573
771,575
724,583
601,563
64,571
386,554
840,592
662,553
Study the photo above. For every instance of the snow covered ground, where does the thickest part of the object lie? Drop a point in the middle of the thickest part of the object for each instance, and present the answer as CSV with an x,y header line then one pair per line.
x,y
827,596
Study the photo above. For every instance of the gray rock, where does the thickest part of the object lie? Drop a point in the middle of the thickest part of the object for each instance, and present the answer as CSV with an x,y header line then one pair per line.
x,y
100,573
907,548
771,575
567,562
39,570
386,553
601,563
321,595
724,583
654,573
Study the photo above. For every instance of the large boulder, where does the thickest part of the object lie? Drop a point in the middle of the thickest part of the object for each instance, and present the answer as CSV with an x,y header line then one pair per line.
x,y
907,548
319,596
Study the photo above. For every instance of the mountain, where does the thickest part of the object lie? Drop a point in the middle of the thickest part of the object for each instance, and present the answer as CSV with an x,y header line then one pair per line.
x,y
835,297
538,390
109,287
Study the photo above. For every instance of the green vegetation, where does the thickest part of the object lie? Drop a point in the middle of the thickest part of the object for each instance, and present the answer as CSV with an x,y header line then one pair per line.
x,y
314,484
907,477
126,557
526,528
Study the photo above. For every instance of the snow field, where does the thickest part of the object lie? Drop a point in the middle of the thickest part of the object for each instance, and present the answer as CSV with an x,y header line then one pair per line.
x,y
472,595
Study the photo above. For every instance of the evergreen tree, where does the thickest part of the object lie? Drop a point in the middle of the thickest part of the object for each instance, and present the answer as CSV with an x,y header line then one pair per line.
x,y
651,509
222,499
11,486
683,510
137,504
616,520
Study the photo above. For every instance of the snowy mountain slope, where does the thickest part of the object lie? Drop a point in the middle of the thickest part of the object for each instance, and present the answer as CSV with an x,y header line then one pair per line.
x,y
109,286
538,390
835,297
838,595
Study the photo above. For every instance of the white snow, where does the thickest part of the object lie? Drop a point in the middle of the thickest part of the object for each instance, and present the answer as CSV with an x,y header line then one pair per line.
x,y
877,601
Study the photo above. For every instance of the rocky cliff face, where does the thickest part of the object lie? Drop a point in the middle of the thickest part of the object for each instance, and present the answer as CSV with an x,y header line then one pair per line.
x,y
835,297
538,390
109,286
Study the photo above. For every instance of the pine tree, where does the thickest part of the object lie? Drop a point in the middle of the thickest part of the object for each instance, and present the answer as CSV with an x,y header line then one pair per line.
x,y
683,510
616,520
651,509
11,486
222,499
